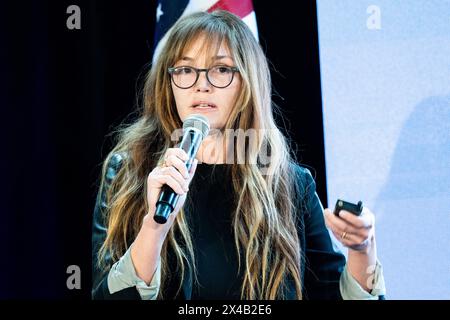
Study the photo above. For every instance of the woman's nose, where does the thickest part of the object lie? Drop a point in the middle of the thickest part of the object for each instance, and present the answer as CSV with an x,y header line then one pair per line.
x,y
202,84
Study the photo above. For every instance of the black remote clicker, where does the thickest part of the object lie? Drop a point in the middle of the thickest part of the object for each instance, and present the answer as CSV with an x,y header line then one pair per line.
x,y
356,209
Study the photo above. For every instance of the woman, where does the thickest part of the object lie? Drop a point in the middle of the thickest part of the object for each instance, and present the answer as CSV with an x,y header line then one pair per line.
x,y
251,228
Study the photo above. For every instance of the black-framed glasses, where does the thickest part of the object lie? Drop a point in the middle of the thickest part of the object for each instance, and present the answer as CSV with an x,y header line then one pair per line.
x,y
219,76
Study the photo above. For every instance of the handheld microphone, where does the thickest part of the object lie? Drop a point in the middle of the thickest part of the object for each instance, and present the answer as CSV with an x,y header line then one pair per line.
x,y
195,129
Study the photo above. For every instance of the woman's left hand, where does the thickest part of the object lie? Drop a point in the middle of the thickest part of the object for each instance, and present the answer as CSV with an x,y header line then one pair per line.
x,y
355,232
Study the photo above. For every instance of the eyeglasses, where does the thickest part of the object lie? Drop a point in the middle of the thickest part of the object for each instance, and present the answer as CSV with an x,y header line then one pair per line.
x,y
218,76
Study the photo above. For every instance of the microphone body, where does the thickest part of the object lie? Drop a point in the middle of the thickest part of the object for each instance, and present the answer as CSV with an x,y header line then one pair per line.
x,y
193,136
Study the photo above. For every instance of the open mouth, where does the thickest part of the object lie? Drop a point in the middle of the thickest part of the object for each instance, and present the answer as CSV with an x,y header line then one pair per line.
x,y
204,106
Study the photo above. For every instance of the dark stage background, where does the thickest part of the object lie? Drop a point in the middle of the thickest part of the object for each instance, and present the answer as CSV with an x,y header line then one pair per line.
x,y
61,93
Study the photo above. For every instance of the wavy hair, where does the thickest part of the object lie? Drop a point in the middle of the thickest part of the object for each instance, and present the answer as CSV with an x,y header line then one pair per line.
x,y
265,223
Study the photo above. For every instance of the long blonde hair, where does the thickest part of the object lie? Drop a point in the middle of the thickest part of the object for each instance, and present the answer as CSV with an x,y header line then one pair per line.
x,y
265,223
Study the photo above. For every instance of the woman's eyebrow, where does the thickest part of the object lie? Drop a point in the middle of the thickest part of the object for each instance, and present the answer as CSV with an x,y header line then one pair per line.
x,y
222,57
218,57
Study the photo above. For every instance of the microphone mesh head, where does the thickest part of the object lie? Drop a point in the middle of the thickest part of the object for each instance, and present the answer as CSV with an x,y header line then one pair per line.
x,y
198,122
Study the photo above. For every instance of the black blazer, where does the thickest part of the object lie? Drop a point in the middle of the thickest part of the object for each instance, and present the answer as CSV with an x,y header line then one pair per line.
x,y
321,267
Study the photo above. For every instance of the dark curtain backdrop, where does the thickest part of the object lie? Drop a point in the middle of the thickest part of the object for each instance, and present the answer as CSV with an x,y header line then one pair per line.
x,y
62,91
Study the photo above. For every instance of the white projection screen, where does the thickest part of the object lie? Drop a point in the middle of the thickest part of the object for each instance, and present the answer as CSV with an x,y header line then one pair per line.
x,y
385,72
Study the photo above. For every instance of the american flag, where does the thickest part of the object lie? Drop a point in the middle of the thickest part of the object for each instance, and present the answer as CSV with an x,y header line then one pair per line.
x,y
169,11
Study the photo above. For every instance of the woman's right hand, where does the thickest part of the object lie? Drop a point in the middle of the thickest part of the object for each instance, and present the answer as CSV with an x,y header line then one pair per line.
x,y
175,174
146,248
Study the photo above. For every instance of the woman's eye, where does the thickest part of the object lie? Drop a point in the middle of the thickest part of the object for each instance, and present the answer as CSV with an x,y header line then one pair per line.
x,y
183,70
222,69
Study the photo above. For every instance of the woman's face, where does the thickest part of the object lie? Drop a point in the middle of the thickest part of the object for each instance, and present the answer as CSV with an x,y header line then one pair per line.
x,y
203,98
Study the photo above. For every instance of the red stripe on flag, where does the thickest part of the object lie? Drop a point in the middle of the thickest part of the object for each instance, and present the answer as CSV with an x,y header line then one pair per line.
x,y
240,8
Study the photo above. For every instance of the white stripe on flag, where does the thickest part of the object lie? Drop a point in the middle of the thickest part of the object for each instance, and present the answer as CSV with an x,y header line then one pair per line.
x,y
250,20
